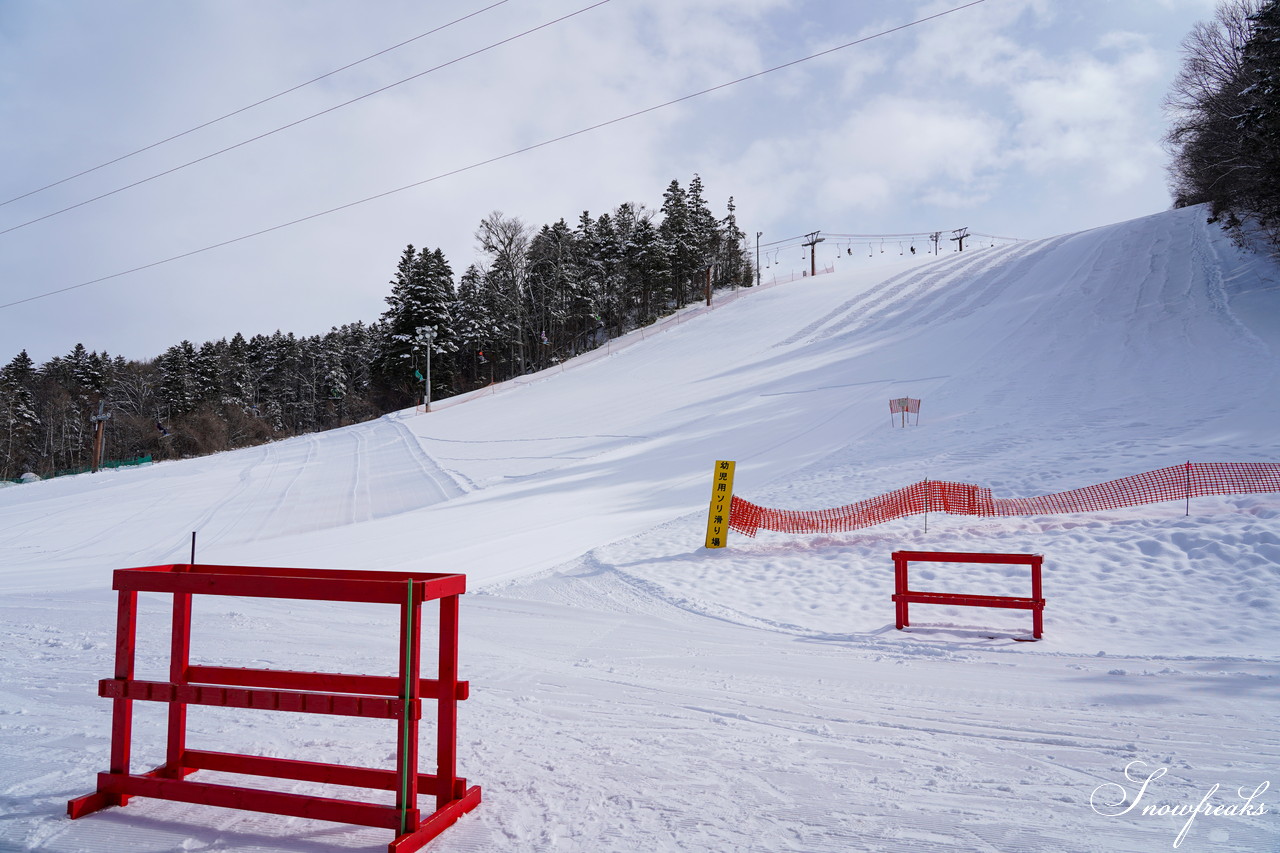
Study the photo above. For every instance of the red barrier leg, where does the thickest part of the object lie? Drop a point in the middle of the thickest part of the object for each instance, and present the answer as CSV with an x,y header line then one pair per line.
x,y
447,707
900,587
121,710
1037,615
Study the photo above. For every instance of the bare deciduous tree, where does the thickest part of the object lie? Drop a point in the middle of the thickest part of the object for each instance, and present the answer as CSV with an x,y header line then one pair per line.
x,y
1219,156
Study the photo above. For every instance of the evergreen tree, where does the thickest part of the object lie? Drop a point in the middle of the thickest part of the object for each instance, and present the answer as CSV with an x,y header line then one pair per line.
x,y
238,387
637,264
475,327
538,298
680,251
283,381
602,278
438,315
359,349
85,369
704,230
179,391
1259,124
421,298
19,423
554,288
733,265
206,371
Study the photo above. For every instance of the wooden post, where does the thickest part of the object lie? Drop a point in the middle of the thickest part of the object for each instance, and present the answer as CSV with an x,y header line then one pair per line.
x,y
99,422
97,446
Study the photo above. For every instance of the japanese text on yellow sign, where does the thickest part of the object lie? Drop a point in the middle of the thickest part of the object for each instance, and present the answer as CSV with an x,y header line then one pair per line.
x,y
721,496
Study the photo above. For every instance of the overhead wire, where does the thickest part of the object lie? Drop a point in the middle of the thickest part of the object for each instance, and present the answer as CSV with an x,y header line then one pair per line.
x,y
497,158
303,120
268,99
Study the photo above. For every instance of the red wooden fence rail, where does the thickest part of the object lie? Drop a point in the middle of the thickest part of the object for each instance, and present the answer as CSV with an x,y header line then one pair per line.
x,y
381,697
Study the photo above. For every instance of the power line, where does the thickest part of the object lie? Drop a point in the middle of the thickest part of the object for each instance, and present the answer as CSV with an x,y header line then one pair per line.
x,y
490,160
260,136
254,104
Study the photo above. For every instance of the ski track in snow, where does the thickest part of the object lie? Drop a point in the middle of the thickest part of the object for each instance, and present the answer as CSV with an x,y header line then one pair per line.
x,y
633,691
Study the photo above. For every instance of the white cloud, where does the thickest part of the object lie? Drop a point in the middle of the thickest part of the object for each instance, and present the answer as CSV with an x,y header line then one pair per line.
x,y
1086,113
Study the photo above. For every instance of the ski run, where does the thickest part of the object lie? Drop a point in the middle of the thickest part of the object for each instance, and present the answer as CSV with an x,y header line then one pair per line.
x,y
634,691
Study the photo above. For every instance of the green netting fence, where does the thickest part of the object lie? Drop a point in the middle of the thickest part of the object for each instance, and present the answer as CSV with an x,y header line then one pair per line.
x,y
84,469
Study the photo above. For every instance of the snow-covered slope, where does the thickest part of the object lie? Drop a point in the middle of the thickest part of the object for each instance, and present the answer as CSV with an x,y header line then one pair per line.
x,y
634,691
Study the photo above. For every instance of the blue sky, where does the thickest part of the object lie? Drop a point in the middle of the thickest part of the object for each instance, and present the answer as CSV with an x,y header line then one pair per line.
x,y
1024,118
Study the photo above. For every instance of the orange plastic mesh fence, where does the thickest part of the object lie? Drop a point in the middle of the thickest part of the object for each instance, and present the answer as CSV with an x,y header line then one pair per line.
x,y
1177,482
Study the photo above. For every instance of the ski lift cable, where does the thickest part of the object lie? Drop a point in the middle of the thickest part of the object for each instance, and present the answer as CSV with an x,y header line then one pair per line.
x,y
248,107
481,163
923,235
784,240
901,236
997,237
303,120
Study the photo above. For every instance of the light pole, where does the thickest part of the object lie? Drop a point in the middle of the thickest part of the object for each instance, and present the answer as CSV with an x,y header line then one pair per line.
x,y
758,233
427,334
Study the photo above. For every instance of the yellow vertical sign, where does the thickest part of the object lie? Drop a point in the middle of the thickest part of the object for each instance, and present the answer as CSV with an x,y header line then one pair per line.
x,y
721,495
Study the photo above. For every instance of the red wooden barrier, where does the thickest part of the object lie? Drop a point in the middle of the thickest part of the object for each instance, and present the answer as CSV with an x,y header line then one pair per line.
x,y
382,697
903,596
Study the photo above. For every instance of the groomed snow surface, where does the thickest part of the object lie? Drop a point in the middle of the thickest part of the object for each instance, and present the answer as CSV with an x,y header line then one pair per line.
x,y
633,691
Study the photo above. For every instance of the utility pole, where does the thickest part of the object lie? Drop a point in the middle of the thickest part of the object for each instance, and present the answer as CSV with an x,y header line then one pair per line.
x,y
812,242
962,234
935,237
99,422
758,233
428,334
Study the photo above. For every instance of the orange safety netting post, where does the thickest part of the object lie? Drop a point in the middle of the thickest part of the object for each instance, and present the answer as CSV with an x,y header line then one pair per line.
x,y
1177,482
398,698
